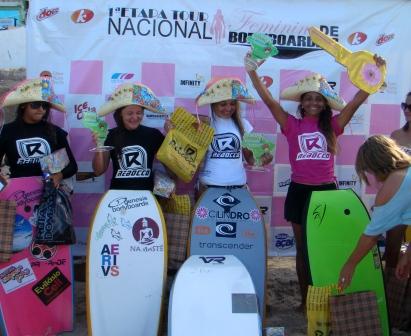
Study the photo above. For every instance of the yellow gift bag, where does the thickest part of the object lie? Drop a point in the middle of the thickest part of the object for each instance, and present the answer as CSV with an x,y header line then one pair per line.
x,y
318,311
185,145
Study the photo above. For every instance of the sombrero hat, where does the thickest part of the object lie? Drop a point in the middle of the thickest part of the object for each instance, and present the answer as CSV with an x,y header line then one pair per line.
x,y
314,83
132,94
220,89
31,90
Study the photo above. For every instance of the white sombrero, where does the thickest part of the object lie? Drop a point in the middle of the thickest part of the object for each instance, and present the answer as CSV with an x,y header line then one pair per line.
x,y
31,90
132,94
220,89
314,83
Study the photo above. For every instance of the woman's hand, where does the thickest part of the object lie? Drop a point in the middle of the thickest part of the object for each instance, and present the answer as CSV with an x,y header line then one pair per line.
x,y
168,125
251,64
56,178
403,268
346,275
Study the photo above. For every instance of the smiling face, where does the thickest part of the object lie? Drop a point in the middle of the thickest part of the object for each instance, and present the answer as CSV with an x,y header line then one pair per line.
x,y
34,112
224,109
313,103
132,115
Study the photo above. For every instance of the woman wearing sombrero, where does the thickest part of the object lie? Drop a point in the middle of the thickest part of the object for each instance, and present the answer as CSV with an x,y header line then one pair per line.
x,y
28,134
223,163
312,141
134,145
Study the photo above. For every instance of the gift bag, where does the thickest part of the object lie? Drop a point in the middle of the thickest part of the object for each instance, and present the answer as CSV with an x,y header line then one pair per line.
x,y
7,221
355,314
53,218
318,311
176,211
185,145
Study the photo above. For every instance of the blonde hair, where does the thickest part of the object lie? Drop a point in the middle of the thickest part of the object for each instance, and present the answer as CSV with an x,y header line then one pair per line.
x,y
236,116
380,155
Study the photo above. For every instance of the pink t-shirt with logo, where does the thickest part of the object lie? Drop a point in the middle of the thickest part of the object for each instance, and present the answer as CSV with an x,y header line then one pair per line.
x,y
311,163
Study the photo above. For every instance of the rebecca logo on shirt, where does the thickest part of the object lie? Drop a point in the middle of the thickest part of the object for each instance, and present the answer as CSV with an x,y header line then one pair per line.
x,y
31,150
313,146
133,163
225,146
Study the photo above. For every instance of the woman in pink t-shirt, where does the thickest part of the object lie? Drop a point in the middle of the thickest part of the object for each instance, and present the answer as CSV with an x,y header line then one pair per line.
x,y
312,141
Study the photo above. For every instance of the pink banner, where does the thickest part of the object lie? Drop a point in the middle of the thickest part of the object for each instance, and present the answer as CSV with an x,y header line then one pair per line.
x,y
36,293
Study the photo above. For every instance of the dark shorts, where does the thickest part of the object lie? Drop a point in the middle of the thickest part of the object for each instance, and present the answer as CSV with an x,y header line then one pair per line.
x,y
297,197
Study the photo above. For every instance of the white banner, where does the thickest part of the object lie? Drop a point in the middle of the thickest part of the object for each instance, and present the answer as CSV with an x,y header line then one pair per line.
x,y
175,47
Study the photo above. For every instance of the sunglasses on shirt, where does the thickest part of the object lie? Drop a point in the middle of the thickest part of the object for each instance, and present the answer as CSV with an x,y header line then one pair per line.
x,y
37,104
405,106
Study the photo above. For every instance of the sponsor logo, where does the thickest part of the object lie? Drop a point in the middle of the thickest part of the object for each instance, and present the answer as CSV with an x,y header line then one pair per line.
x,y
123,204
31,150
16,276
45,13
284,241
161,23
267,81
226,201
23,199
227,246
202,212
285,183
226,146
264,210
43,252
212,260
51,286
202,230
348,183
356,38
226,229
14,273
319,213
188,152
109,255
133,163
119,77
249,234
313,146
384,38
82,15
79,109
146,231
190,82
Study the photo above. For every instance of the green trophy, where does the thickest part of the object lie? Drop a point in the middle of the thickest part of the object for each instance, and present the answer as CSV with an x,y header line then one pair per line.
x,y
98,126
261,46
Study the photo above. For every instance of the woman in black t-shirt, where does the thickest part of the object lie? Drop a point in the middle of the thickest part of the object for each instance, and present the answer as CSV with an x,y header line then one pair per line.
x,y
135,145
31,136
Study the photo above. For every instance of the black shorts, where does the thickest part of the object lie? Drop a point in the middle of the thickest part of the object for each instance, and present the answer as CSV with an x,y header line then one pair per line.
x,y
297,197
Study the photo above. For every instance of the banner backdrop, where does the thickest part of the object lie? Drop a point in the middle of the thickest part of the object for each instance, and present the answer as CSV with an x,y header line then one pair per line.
x,y
175,47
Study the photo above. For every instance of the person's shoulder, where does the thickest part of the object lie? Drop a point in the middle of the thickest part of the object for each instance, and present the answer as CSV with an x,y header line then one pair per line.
x,y
390,186
58,130
151,130
396,135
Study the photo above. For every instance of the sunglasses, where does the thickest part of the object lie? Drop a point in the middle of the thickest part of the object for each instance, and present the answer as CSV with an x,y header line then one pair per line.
x,y
37,104
405,106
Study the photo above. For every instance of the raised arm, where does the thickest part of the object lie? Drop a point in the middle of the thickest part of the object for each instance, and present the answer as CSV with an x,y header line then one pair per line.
x,y
275,108
348,111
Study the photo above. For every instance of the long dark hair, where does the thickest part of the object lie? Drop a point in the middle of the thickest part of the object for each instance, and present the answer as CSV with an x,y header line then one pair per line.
x,y
324,124
50,129
406,127
236,117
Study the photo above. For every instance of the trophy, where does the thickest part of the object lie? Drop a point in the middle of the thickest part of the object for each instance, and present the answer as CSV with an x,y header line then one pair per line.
x,y
98,126
261,46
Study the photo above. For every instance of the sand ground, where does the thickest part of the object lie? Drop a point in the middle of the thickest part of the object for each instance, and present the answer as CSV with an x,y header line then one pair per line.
x,y
283,298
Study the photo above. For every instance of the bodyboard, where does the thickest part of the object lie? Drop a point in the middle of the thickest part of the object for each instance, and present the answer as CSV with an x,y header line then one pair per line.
x,y
213,295
334,223
126,265
229,222
36,292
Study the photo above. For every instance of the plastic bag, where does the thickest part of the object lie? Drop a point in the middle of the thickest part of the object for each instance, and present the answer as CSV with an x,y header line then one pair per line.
x,y
53,218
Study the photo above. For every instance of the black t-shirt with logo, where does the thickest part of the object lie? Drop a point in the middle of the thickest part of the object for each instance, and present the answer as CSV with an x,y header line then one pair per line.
x,y
23,144
133,157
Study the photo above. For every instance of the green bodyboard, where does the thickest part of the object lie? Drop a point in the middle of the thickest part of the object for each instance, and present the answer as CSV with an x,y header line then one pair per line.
x,y
335,220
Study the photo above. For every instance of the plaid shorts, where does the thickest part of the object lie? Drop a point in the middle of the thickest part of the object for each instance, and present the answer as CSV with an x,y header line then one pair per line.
x,y
178,228
7,219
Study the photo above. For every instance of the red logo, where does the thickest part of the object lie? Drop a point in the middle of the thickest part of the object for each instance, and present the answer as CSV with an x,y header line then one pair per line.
x,y
384,38
202,230
45,13
82,16
267,81
357,38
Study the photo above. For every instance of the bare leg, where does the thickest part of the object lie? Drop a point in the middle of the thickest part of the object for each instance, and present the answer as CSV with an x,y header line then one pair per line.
x,y
393,243
301,267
